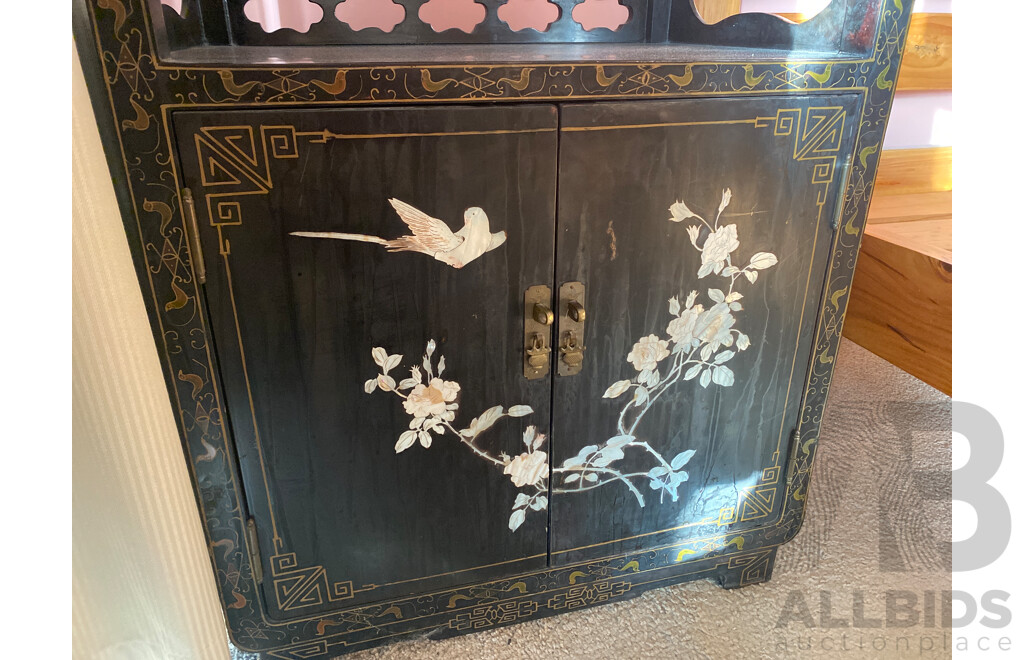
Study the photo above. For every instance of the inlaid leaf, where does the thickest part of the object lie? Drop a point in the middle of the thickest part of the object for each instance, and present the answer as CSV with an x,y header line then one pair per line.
x,y
516,519
619,440
370,385
735,295
386,383
751,275
692,372
391,362
483,422
616,389
607,456
405,441
539,503
572,478
682,459
521,500
762,260
724,357
705,378
742,342
425,439
380,356
723,376
716,295
519,411
590,476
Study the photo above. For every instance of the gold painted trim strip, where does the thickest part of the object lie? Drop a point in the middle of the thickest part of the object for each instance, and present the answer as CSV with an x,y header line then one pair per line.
x,y
575,129
326,135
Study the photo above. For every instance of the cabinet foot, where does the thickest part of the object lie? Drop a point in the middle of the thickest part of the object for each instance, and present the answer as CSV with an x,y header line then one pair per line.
x,y
747,569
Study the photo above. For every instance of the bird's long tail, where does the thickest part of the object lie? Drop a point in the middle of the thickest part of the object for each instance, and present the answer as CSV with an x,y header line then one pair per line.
x,y
363,238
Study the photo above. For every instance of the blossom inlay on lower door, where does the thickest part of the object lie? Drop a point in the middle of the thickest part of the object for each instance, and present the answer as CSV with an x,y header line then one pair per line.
x,y
697,345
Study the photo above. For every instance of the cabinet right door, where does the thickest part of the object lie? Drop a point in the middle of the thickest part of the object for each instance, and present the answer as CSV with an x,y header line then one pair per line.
x,y
700,233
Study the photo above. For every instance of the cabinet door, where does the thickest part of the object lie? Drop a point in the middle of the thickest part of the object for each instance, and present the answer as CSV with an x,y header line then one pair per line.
x,y
701,231
358,370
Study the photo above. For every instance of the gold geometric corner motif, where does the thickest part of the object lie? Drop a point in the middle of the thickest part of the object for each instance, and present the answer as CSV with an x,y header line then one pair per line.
x,y
297,588
234,164
755,568
817,136
755,501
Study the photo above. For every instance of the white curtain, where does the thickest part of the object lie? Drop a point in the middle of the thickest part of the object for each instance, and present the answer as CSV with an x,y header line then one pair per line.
x,y
142,585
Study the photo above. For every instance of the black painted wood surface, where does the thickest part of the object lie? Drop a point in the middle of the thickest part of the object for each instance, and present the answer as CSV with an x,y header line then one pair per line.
x,y
296,318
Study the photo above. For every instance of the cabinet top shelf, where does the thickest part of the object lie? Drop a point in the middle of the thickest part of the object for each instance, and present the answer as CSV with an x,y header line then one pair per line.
x,y
220,33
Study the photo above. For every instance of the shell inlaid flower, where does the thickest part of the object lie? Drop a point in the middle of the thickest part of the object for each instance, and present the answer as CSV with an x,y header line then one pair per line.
x,y
528,468
713,326
719,245
432,399
680,329
648,352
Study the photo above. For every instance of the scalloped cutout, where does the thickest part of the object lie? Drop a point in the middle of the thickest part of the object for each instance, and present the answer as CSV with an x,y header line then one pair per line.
x,y
794,11
173,4
384,15
443,15
524,14
593,14
272,15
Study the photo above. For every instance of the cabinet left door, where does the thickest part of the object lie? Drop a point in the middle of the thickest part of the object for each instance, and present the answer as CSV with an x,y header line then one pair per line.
x,y
375,384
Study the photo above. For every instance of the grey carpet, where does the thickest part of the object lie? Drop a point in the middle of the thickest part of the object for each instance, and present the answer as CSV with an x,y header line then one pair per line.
x,y
873,554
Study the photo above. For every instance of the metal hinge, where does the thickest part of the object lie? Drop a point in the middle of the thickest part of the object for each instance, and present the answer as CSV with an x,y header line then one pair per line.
x,y
794,444
192,229
254,550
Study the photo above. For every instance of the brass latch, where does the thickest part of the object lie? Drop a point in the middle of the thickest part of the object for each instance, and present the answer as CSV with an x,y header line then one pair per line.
x,y
538,319
571,318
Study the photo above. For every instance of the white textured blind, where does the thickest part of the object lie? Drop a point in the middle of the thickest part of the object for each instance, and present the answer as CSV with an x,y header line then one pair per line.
x,y
142,584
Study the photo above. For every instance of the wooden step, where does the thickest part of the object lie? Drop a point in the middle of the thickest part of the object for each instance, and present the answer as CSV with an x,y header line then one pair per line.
x,y
901,304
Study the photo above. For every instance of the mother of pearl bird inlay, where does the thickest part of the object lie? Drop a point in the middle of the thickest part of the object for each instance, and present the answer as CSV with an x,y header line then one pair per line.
x,y
431,236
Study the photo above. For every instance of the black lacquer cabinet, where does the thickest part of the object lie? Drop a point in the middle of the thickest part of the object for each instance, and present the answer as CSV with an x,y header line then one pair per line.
x,y
462,335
